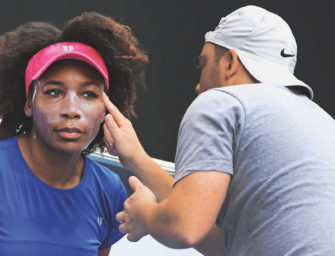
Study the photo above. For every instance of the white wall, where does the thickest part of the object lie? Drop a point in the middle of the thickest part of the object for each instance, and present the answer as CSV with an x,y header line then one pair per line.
x,y
147,246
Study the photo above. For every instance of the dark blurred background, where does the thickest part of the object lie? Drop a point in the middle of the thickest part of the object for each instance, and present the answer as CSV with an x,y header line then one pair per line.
x,y
172,32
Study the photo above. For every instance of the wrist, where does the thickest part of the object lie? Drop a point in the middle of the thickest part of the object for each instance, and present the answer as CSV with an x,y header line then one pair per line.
x,y
148,215
139,161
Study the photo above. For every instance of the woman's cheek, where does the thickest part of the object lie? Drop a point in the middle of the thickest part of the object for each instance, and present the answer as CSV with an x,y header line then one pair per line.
x,y
101,112
97,115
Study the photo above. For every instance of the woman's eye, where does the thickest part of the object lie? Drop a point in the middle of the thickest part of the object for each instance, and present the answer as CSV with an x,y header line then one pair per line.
x,y
53,92
89,94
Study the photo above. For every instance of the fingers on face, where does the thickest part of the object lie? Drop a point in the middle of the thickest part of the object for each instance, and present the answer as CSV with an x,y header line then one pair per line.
x,y
109,142
110,122
109,105
108,136
113,110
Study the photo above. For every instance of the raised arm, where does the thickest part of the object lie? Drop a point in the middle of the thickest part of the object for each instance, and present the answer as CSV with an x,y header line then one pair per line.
x,y
185,219
122,140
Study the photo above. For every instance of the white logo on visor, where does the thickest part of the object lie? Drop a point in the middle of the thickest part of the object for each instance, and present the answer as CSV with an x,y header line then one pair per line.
x,y
68,48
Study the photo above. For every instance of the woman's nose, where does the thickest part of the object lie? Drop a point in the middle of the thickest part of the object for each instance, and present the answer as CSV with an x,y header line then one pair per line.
x,y
71,107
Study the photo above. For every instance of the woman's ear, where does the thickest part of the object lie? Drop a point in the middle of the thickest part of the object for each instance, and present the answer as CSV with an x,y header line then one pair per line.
x,y
28,110
28,107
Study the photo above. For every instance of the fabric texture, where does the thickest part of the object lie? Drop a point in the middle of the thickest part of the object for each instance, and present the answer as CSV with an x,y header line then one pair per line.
x,y
38,219
279,147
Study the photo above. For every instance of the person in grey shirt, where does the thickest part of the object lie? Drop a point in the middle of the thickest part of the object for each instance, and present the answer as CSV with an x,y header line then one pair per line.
x,y
255,154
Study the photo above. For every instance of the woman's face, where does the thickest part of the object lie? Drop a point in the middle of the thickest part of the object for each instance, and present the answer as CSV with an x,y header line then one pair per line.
x,y
67,106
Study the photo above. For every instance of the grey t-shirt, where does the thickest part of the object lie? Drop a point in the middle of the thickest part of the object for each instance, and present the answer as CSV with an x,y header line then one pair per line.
x,y
279,147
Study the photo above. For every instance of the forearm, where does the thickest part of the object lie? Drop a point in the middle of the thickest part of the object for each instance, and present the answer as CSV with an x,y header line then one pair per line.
x,y
166,226
187,217
182,220
152,175
212,244
169,229
121,140
175,225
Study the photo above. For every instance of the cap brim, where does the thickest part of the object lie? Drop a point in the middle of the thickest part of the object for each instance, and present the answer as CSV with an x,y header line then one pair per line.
x,y
43,59
261,70
63,56
269,72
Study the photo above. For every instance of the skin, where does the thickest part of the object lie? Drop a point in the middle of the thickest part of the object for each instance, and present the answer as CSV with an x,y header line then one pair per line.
x,y
104,252
118,131
67,109
64,99
174,216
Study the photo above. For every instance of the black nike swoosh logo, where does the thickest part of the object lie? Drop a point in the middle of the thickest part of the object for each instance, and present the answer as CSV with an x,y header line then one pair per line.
x,y
283,54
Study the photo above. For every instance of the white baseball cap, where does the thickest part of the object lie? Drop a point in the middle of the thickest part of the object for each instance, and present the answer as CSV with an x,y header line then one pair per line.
x,y
263,42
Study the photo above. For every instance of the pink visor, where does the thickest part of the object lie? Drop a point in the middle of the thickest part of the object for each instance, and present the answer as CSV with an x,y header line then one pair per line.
x,y
39,63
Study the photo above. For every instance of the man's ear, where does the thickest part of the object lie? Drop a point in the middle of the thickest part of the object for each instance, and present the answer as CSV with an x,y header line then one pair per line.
x,y
232,63
28,110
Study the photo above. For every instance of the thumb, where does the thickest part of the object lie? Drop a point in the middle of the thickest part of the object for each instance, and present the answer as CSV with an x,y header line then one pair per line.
x,y
135,183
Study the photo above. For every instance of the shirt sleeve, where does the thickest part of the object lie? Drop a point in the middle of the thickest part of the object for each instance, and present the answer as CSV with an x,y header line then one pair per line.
x,y
206,137
114,234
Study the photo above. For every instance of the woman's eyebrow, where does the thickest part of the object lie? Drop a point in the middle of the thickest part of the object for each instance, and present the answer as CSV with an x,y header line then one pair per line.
x,y
92,83
54,82
85,84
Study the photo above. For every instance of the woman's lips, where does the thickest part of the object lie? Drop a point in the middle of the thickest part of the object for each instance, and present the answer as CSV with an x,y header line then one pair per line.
x,y
69,133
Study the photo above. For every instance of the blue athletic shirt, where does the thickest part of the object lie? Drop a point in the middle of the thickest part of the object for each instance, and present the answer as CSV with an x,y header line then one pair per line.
x,y
38,219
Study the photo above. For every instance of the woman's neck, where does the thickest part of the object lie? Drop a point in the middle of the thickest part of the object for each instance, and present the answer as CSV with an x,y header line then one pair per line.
x,y
60,170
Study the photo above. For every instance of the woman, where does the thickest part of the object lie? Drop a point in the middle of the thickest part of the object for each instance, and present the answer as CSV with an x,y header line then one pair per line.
x,y
53,198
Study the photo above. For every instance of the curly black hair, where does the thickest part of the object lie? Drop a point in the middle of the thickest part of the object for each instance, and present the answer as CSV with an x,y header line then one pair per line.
x,y
124,58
